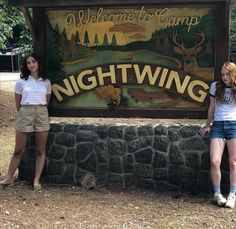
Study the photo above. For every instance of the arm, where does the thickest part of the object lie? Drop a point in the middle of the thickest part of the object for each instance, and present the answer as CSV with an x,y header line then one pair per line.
x,y
49,91
17,101
48,96
206,129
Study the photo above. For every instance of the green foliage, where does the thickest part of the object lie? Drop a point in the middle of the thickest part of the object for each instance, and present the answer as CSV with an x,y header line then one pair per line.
x,y
53,54
232,37
13,30
96,41
86,38
113,40
105,40
77,39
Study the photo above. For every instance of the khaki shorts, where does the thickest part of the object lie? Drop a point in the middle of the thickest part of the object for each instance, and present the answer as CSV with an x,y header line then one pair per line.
x,y
32,118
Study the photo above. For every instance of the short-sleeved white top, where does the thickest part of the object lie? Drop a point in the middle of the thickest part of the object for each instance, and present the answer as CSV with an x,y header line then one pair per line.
x,y
33,91
225,110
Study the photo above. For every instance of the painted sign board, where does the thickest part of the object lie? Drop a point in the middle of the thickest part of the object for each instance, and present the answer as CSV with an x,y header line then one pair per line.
x,y
136,58
130,58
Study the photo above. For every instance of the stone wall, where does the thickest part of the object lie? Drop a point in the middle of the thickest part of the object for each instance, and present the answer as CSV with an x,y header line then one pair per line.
x,y
153,157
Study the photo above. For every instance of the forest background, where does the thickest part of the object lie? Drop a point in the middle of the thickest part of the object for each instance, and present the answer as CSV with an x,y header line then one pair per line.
x,y
14,31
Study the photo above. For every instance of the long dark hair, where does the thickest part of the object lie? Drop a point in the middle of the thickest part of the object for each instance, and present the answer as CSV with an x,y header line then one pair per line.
x,y
25,72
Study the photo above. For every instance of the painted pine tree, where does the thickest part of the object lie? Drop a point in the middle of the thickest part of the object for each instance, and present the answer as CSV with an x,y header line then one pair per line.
x,y
54,67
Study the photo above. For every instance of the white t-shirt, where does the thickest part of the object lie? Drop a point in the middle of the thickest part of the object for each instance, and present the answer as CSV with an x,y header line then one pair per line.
x,y
225,110
33,91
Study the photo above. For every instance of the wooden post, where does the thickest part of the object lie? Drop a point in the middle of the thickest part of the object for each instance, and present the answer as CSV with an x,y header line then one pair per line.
x,y
39,28
222,36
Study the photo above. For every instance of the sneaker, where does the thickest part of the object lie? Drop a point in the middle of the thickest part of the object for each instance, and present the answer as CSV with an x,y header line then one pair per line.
x,y
6,182
230,203
37,186
219,199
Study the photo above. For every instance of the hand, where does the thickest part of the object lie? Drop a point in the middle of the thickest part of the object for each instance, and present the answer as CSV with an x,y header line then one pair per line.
x,y
204,131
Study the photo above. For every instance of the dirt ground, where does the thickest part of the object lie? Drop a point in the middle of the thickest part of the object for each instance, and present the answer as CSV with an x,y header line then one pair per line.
x,y
73,207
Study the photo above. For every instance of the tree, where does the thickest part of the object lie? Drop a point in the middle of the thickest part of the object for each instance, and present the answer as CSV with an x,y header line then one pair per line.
x,y
96,41
105,40
86,38
64,34
166,42
73,46
13,30
233,29
113,40
54,66
77,39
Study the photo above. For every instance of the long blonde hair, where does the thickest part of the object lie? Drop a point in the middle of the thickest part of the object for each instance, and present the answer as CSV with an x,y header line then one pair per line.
x,y
220,86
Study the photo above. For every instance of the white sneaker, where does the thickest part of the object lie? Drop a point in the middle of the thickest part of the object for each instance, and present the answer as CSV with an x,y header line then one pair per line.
x,y
230,203
219,199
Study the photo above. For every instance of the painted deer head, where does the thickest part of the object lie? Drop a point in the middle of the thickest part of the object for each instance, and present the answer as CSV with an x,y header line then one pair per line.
x,y
189,54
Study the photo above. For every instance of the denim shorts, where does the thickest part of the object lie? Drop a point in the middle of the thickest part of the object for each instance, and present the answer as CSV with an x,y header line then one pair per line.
x,y
225,130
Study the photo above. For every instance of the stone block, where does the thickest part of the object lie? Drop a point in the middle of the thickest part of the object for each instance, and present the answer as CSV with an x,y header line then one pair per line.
x,y
159,160
160,174
89,164
90,127
130,133
173,133
192,144
160,130
68,175
31,152
54,167
71,128
145,131
116,147
102,131
26,174
128,163
83,150
50,140
144,155
115,164
115,180
116,132
54,127
130,180
161,143
140,143
143,170
86,136
101,150
176,157
102,171
203,184
65,139
189,131
56,152
192,160
70,156
205,161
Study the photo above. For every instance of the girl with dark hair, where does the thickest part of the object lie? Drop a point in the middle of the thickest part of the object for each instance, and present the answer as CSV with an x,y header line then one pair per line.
x,y
222,111
32,94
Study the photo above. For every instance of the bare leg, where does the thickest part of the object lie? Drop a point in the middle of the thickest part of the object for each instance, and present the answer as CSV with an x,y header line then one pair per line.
x,y
40,139
216,152
232,160
20,142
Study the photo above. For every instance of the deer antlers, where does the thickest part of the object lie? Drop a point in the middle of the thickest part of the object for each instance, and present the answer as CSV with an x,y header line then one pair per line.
x,y
201,34
175,34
